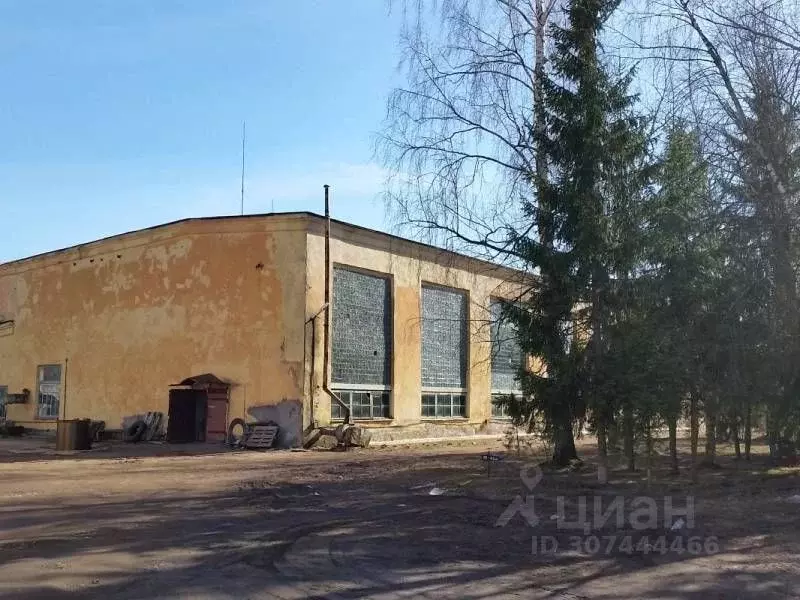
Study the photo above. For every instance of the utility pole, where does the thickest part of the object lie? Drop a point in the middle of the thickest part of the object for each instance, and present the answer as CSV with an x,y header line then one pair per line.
x,y
244,136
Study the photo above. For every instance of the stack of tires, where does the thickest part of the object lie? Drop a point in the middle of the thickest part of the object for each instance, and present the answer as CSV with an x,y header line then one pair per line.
x,y
136,431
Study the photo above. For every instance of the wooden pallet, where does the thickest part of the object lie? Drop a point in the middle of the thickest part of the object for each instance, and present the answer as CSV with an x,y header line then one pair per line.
x,y
261,436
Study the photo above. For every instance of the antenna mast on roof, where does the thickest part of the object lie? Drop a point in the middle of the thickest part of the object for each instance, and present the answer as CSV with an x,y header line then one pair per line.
x,y
244,135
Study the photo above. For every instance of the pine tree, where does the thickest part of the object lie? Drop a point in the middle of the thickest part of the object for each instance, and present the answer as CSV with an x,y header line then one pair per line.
x,y
683,255
589,204
767,219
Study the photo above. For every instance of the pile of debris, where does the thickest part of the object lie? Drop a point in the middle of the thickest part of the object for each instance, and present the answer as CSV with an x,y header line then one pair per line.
x,y
342,437
9,429
145,428
260,435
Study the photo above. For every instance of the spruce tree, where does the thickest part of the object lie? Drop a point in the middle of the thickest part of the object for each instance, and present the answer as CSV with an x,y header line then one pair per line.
x,y
683,256
589,204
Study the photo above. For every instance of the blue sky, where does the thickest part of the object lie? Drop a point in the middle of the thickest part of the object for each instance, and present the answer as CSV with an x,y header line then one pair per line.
x,y
121,114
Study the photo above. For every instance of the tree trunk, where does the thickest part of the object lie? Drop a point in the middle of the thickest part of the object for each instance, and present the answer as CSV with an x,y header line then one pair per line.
x,y
596,348
563,436
649,445
628,433
672,423
736,437
711,432
773,434
563,439
602,452
748,429
694,424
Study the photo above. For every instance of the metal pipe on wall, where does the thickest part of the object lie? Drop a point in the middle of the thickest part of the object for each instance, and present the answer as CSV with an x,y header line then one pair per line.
x,y
327,307
64,401
311,378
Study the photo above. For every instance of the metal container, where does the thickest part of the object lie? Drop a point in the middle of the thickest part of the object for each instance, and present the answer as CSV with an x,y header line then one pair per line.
x,y
73,434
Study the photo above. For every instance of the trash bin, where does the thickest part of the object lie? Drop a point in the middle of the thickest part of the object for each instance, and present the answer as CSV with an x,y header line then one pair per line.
x,y
73,434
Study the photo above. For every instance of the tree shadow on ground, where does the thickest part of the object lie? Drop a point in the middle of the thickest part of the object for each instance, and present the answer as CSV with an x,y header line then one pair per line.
x,y
368,531
36,448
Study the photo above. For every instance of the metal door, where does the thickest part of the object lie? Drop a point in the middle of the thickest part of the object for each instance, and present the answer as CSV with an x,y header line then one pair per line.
x,y
217,416
182,424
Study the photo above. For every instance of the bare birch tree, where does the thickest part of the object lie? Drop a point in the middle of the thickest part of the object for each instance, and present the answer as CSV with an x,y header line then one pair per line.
x,y
460,133
734,70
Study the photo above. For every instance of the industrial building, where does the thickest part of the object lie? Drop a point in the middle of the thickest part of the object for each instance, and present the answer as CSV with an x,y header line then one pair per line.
x,y
229,312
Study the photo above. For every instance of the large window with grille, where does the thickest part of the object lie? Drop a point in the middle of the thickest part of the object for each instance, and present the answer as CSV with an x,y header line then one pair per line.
x,y
362,404
444,405
49,389
507,359
361,343
445,350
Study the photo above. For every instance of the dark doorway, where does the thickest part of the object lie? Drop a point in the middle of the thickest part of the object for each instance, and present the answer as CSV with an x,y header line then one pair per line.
x,y
187,416
198,406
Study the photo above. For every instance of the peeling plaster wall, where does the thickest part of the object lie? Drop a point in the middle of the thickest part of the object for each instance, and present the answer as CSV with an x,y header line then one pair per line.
x,y
234,297
137,312
408,266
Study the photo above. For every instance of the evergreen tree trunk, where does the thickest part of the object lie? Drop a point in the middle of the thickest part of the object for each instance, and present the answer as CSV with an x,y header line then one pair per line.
x,y
736,437
672,423
602,451
649,443
563,439
564,451
627,424
748,429
598,326
773,434
694,425
785,339
711,432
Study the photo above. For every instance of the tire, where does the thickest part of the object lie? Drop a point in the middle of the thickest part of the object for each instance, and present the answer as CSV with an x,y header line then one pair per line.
x,y
135,432
96,430
231,438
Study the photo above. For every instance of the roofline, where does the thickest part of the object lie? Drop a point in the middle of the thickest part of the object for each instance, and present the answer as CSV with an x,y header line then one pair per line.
x,y
143,230
292,214
428,247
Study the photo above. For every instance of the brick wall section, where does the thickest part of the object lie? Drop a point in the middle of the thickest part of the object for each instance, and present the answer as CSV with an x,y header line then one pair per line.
x,y
444,338
362,333
506,352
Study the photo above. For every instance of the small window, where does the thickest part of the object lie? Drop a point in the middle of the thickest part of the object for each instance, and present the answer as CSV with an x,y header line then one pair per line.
x,y
363,404
499,406
3,398
444,406
49,382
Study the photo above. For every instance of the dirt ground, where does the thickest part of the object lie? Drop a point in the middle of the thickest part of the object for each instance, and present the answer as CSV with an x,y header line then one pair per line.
x,y
154,521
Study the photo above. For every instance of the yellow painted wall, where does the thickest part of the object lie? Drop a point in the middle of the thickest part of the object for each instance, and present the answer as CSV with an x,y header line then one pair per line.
x,y
137,312
234,297
408,266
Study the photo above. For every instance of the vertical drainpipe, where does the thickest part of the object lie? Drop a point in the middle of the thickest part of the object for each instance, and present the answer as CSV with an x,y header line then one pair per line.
x,y
327,308
327,301
66,373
